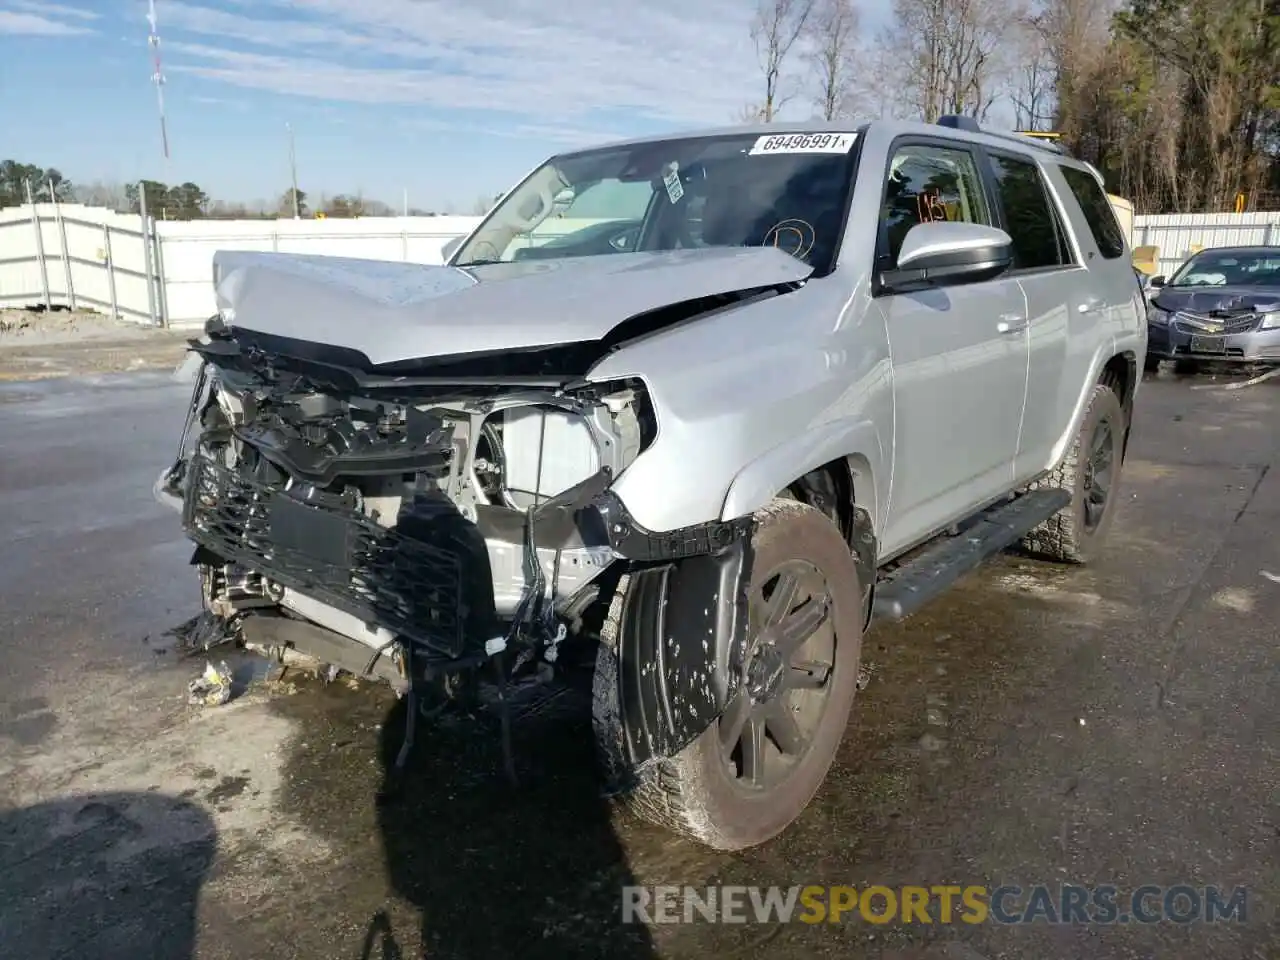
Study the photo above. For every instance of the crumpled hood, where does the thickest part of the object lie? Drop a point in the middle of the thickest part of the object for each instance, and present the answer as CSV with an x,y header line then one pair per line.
x,y
403,311
1204,300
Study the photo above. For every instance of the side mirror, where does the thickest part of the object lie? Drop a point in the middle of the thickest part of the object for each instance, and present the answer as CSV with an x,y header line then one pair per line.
x,y
447,252
1159,281
944,252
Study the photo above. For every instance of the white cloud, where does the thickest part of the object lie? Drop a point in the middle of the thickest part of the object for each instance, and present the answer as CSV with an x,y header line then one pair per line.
x,y
565,136
53,9
674,61
19,21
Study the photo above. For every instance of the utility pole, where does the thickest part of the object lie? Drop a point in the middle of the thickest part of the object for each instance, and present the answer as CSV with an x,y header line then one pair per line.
x,y
293,172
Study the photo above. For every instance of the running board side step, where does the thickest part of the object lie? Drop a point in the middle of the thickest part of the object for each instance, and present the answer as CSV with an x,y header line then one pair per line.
x,y
925,577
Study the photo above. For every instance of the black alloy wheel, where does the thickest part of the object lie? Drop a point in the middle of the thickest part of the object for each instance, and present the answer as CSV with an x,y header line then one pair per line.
x,y
1099,472
769,725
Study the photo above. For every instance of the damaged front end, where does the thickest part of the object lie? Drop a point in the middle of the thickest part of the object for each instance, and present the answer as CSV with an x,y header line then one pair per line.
x,y
412,525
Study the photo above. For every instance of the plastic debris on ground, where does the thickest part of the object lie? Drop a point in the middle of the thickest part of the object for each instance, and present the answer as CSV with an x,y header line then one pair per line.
x,y
200,633
864,675
1240,384
212,688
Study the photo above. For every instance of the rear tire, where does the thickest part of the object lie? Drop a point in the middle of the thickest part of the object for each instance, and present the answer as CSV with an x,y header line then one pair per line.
x,y
1186,368
1151,364
729,797
1091,473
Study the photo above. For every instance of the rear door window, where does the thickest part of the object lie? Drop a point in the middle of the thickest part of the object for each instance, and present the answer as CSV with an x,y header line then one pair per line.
x,y
928,183
1029,216
1097,211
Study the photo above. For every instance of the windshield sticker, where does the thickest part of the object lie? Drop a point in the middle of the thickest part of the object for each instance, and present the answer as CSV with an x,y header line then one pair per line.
x,y
675,189
793,236
803,143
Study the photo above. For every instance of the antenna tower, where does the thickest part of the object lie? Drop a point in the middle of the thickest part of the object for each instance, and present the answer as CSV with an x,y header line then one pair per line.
x,y
157,77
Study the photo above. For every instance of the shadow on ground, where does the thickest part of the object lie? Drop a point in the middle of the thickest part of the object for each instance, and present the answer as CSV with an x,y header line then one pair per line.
x,y
113,876
472,865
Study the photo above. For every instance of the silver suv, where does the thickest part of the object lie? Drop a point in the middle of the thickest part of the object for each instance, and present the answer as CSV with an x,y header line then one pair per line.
x,y
675,423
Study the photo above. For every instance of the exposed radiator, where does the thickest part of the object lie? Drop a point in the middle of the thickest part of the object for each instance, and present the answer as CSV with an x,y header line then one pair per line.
x,y
547,451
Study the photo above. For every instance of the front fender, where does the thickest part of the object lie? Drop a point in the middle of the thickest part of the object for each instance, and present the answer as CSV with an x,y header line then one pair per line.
x,y
678,656
760,480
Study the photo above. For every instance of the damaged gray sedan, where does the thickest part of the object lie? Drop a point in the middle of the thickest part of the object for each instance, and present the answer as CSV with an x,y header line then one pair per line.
x,y
672,426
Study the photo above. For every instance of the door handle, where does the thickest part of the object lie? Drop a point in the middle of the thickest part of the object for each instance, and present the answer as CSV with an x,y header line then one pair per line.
x,y
1011,323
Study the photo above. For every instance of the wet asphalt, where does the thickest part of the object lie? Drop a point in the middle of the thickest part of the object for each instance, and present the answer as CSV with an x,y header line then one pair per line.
x,y
1116,724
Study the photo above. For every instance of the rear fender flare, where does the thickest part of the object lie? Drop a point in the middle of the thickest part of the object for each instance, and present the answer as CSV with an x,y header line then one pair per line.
x,y
1104,352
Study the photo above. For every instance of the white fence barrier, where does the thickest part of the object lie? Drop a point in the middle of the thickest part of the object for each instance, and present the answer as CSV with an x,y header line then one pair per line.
x,y
1179,235
160,272
187,248
70,255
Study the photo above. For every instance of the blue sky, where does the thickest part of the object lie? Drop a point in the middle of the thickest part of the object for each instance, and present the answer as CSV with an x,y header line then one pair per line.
x,y
447,99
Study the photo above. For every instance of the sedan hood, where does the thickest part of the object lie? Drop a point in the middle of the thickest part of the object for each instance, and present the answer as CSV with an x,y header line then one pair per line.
x,y
393,312
1207,300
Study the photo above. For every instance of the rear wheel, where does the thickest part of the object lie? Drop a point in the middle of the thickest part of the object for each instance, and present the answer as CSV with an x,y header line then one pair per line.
x,y
1186,367
1091,473
753,771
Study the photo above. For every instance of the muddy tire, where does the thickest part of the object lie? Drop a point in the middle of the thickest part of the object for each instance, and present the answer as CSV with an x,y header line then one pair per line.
x,y
782,730
1091,473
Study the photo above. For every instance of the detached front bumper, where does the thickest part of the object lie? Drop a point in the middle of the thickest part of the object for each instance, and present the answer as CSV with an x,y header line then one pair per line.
x,y
432,576
1171,341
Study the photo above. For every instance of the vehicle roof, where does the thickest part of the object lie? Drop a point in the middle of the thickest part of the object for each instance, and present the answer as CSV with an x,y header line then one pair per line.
x,y
993,139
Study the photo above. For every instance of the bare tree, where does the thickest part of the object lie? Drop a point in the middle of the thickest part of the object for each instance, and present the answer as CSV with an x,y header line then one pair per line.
x,y
103,194
777,26
1075,35
1031,86
946,54
872,87
833,36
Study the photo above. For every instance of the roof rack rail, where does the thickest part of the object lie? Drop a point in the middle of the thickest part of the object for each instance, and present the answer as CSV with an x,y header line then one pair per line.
x,y
957,121
960,122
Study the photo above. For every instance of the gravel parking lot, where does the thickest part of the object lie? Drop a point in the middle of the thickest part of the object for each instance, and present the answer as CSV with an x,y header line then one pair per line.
x,y
1037,725
39,344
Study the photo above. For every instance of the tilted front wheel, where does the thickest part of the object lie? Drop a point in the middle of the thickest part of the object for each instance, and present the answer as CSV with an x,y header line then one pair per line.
x,y
748,776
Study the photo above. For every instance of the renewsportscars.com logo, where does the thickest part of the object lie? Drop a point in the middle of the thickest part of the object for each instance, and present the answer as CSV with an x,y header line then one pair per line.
x,y
941,904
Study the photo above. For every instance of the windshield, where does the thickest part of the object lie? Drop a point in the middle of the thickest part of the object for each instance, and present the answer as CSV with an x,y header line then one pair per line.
x,y
783,190
1218,268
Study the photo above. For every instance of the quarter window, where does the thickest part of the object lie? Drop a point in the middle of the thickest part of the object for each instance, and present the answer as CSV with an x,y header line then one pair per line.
x,y
926,184
1097,211
1028,216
